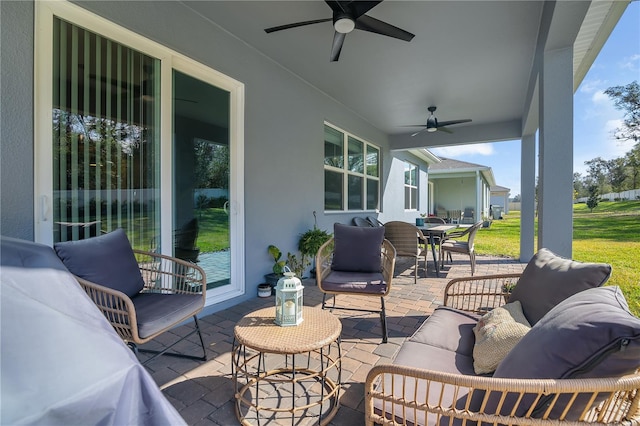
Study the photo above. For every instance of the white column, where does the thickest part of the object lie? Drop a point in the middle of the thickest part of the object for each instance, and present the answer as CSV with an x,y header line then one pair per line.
x,y
527,196
479,188
555,208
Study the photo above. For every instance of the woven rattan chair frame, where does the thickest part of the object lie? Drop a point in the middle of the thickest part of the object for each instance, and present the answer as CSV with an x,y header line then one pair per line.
x,y
161,274
408,241
463,247
324,259
618,401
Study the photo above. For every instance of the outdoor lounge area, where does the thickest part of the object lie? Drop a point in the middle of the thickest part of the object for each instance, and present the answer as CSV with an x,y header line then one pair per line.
x,y
203,392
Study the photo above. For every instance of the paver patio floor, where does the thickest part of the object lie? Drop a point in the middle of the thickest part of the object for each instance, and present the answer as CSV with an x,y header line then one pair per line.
x,y
203,392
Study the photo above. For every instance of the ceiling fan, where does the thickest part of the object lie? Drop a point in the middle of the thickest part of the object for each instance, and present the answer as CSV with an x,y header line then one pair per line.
x,y
347,16
433,124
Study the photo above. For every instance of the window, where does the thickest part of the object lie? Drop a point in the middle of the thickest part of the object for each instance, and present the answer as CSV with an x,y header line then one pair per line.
x,y
410,186
351,172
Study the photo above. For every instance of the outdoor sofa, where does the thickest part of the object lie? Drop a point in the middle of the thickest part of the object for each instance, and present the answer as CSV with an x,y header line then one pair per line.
x,y
476,361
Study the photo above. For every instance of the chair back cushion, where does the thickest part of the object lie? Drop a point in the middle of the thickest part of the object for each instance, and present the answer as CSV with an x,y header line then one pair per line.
x,y
357,249
548,279
107,260
591,334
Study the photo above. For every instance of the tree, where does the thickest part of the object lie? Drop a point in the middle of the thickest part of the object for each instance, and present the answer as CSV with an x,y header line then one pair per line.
x,y
627,98
616,173
592,201
597,172
632,161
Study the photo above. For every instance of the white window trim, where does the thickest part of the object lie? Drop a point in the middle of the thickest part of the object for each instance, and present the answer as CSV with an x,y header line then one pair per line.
x,y
170,59
416,186
345,172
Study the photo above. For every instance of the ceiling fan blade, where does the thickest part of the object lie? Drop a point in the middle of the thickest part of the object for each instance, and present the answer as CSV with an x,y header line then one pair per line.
x,y
359,8
336,47
417,133
452,122
296,24
444,129
373,25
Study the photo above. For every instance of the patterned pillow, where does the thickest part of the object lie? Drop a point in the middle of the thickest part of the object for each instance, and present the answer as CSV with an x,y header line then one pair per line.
x,y
497,332
357,249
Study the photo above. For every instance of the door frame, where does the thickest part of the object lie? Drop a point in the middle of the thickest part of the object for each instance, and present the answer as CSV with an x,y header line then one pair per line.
x,y
169,59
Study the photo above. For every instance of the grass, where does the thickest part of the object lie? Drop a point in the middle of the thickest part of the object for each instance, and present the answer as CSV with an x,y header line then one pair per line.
x,y
609,234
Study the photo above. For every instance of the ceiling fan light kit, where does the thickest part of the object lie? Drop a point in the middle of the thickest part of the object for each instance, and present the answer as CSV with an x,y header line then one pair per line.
x,y
434,125
349,15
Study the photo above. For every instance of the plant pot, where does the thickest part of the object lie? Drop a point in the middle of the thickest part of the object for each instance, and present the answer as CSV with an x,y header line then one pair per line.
x,y
272,280
419,221
486,224
264,290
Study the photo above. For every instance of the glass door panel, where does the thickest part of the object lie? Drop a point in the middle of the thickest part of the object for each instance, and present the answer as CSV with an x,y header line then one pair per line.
x,y
105,138
201,174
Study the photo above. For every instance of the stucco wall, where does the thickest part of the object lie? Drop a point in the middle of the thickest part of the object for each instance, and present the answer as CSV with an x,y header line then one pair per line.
x,y
16,119
284,127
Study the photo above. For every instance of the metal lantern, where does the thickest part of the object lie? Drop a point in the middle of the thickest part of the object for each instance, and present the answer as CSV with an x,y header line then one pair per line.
x,y
289,300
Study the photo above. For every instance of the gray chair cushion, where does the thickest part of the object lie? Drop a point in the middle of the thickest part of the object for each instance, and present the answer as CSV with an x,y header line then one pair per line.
x,y
591,334
155,311
357,249
355,282
548,279
107,260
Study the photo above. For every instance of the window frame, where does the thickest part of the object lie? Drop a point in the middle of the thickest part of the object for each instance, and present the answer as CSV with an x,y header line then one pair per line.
x,y
345,171
409,188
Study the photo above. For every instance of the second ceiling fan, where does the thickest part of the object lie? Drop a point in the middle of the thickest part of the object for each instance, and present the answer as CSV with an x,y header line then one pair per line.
x,y
347,16
434,125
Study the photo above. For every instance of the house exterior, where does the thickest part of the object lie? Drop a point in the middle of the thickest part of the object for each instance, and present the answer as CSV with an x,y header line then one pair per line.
x,y
461,186
500,197
112,111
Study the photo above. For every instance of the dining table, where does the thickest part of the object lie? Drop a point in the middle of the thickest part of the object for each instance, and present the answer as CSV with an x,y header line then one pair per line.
x,y
431,231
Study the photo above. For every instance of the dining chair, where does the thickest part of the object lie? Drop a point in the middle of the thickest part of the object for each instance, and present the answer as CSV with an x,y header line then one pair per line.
x,y
361,221
449,245
374,221
408,241
356,261
142,294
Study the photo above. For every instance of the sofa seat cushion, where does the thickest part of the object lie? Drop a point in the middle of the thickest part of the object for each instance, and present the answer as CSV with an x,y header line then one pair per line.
x,y
448,329
155,311
421,355
548,279
591,334
355,282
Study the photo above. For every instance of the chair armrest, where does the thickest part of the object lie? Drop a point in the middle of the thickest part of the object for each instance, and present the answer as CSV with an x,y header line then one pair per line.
x,y
324,258
166,274
479,294
115,305
400,390
388,262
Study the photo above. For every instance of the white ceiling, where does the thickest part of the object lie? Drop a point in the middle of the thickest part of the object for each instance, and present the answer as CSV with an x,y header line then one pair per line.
x,y
472,59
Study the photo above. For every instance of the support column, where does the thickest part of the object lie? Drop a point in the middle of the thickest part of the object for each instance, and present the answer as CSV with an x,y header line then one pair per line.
x,y
527,196
555,184
479,187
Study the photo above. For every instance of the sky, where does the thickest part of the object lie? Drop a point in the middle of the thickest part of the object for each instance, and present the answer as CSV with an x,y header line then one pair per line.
x,y
594,117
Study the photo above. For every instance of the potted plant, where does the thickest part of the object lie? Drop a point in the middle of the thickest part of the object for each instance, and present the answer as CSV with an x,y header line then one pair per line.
x,y
420,220
310,242
297,266
486,222
273,277
507,288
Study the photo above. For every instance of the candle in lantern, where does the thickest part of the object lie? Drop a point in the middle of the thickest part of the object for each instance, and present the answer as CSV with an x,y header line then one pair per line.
x,y
289,307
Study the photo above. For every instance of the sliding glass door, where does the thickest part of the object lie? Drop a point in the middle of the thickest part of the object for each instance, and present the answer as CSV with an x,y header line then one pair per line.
x,y
133,135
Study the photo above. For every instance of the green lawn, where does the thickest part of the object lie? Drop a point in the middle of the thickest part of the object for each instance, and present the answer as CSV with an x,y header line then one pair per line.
x,y
610,234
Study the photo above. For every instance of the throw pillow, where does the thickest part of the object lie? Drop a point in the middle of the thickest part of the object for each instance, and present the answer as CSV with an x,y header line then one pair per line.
x,y
548,279
107,260
497,332
357,249
591,334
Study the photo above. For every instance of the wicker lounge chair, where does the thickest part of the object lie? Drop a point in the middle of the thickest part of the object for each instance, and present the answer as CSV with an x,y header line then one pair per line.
x,y
334,278
408,241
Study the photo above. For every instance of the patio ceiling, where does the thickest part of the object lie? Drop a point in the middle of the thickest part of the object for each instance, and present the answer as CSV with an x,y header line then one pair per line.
x,y
472,59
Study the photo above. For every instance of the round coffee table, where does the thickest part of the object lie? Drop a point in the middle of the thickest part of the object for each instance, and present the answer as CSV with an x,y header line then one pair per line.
x,y
287,372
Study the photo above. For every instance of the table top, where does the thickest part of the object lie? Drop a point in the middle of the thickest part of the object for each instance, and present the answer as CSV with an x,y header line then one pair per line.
x,y
258,330
437,228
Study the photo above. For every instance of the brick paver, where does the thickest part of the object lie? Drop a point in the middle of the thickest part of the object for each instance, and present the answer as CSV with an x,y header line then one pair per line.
x,y
203,392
